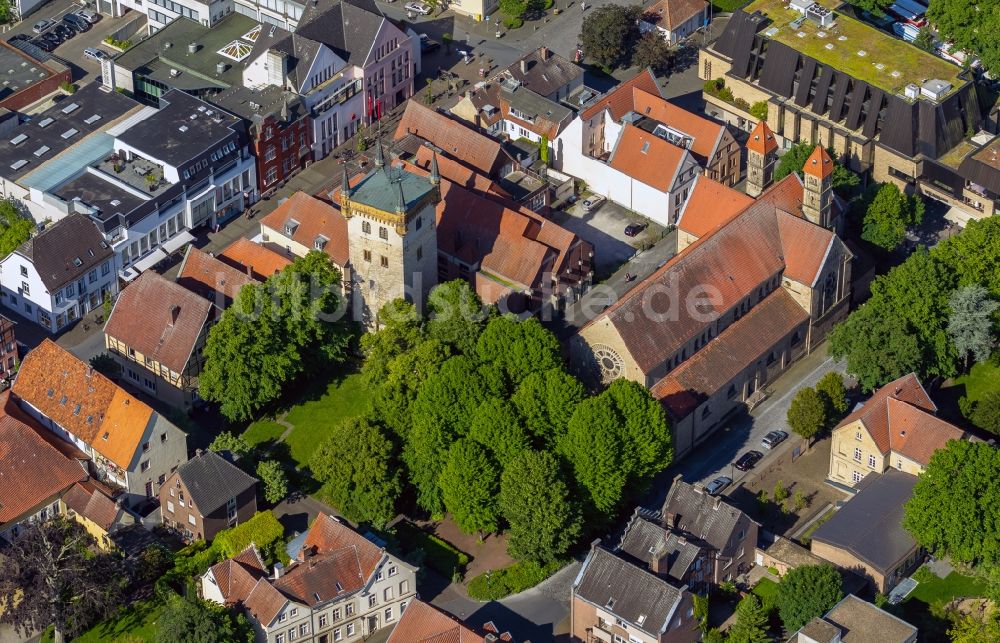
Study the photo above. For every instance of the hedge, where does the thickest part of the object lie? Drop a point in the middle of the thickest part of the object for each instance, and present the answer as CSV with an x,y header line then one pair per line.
x,y
436,553
262,530
500,583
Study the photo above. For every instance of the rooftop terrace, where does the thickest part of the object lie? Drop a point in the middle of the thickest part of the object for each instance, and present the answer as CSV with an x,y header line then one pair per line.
x,y
854,47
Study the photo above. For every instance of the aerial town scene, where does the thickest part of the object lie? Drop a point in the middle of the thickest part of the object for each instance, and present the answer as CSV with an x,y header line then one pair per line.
x,y
500,321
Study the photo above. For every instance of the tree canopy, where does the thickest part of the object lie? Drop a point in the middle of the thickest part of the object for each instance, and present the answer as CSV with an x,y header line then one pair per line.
x,y
968,26
806,592
274,480
652,50
192,620
609,34
888,214
470,482
831,388
876,7
795,157
15,228
807,415
456,316
971,322
750,625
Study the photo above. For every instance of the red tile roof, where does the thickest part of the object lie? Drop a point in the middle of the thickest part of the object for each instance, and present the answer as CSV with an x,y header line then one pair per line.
x,y
31,469
237,576
159,318
254,259
459,174
762,139
458,141
705,132
90,502
718,363
214,280
82,401
327,534
316,218
711,205
264,602
620,100
874,413
819,163
805,247
647,158
671,14
424,623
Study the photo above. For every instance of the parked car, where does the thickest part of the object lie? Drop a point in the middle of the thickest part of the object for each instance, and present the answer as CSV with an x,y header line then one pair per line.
x,y
417,7
64,31
94,54
715,487
43,43
19,37
594,202
69,26
80,23
748,459
633,229
52,38
42,25
427,44
89,15
773,439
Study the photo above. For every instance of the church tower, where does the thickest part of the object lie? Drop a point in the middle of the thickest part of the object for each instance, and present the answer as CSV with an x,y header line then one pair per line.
x,y
817,187
392,236
762,151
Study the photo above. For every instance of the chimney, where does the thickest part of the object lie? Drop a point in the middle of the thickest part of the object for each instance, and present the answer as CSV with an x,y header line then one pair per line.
x,y
279,571
175,312
197,453
594,544
682,540
250,270
718,502
90,371
524,66
546,54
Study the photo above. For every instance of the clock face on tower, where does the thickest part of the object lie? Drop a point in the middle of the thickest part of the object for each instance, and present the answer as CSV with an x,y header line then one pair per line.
x,y
609,361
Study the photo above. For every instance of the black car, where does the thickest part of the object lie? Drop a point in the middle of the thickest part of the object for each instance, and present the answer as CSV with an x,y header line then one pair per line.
x,y
64,31
634,229
18,37
51,38
43,43
747,460
77,22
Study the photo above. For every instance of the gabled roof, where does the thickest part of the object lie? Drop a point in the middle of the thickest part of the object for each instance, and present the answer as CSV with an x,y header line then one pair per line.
x,y
671,14
315,218
424,623
264,602
862,622
631,593
546,71
705,133
84,402
874,414
711,205
212,481
237,576
547,118
709,518
90,502
66,250
328,534
647,541
458,174
455,139
647,158
620,100
870,525
762,139
348,27
160,319
805,247
253,258
819,163
203,274
31,469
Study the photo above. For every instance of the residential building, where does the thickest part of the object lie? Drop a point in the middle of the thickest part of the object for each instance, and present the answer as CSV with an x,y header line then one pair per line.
x,y
9,352
131,446
751,295
896,428
675,20
866,535
60,274
216,281
612,599
156,332
205,495
424,623
303,224
642,152
853,620
668,554
392,236
254,259
90,504
478,10
902,117
701,518
980,170
547,74
31,75
341,587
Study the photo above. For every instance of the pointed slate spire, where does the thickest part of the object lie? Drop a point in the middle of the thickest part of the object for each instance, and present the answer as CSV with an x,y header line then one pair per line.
x,y
435,174
345,188
400,199
284,111
379,156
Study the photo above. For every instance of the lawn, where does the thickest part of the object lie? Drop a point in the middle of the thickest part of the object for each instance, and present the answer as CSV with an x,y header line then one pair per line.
x,y
767,590
982,379
263,432
138,622
938,591
345,397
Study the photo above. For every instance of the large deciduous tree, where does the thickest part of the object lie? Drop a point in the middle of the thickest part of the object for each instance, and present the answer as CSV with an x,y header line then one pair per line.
x,y
878,349
519,348
652,51
986,413
645,430
192,620
357,466
546,401
594,448
15,228
405,374
969,26
457,315
970,324
806,592
52,575
497,427
955,505
274,480
831,388
807,413
609,34
399,331
535,500
889,213
876,7
470,483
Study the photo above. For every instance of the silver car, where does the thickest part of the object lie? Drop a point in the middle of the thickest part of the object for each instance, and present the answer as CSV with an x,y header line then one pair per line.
x,y
773,439
717,486
417,7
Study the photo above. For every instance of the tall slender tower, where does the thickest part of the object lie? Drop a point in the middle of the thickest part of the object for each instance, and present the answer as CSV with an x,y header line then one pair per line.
x,y
817,187
392,237
762,150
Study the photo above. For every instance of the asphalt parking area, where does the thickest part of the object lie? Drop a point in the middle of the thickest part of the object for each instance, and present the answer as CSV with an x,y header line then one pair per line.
x,y
605,229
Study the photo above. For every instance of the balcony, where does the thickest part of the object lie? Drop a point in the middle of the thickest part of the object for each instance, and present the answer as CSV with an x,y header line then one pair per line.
x,y
597,634
137,172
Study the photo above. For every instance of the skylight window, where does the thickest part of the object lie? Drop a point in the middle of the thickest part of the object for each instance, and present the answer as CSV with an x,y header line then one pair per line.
x,y
72,107
17,140
18,164
42,151
45,122
236,50
610,604
70,133
641,619
253,34
63,399
90,120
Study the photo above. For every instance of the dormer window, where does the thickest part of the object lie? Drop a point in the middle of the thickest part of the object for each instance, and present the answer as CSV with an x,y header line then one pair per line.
x,y
320,242
610,604
290,227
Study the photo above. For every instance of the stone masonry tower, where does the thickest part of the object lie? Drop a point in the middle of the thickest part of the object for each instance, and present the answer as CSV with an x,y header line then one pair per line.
x,y
761,156
817,187
392,236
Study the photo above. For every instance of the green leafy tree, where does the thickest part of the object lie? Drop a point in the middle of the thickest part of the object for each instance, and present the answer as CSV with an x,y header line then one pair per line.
x,y
974,255
514,8
807,413
356,464
450,396
106,365
878,349
456,315
520,348
780,492
713,635
497,427
535,500
700,607
192,620
831,388
425,454
889,213
970,324
645,430
235,444
970,27
975,628
470,483
546,401
986,413
876,7
596,452
609,34
955,505
925,39
400,329
15,228
759,110
806,592
272,476
750,625
404,375
795,157
652,51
